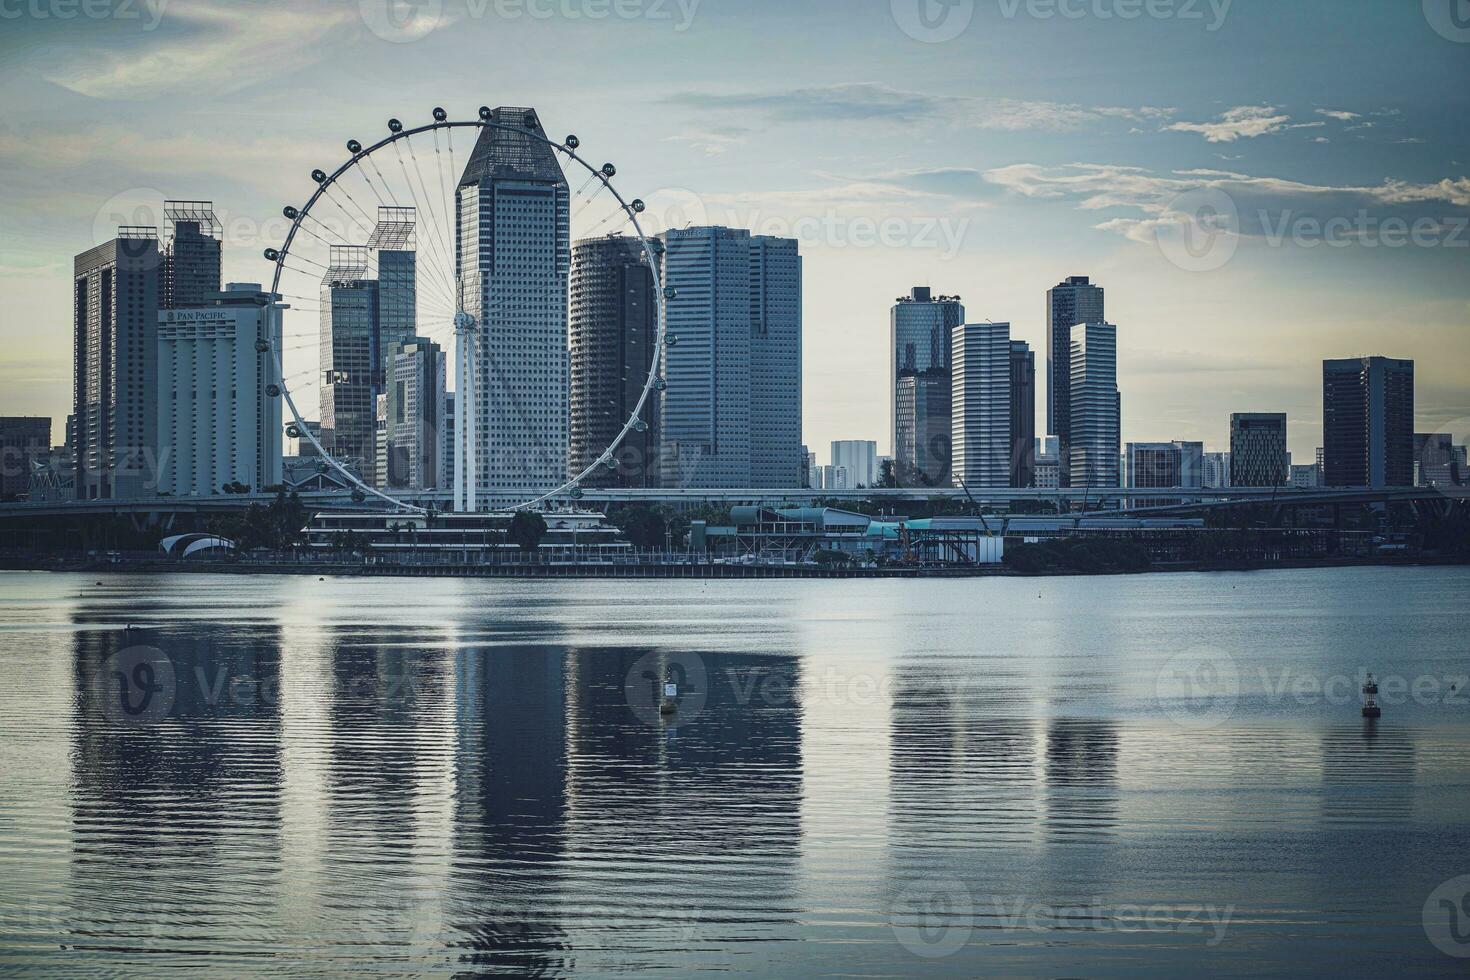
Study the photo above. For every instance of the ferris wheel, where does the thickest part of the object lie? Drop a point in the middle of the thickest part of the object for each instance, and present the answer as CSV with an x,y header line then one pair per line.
x,y
393,216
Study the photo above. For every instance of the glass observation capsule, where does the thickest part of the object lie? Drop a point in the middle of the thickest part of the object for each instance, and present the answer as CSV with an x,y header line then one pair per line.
x,y
439,114
394,126
354,147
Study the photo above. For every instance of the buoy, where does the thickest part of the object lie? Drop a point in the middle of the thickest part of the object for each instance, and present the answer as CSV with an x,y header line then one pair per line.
x,y
670,703
1370,699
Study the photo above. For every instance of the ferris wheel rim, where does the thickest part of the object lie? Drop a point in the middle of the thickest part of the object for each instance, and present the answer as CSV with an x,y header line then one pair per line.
x,y
568,147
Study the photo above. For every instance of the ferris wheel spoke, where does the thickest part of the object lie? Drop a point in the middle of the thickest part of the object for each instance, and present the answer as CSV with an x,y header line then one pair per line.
x,y
418,171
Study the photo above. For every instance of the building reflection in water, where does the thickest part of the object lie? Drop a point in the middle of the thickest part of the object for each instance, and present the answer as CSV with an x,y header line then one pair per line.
x,y
566,796
1081,779
183,797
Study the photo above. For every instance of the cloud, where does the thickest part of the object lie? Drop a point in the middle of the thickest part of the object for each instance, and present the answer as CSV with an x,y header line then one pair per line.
x,y
711,142
1242,122
206,46
867,102
1261,202
1339,115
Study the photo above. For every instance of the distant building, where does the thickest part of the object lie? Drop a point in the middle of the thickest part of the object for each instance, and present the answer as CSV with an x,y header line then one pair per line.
x,y
732,407
191,256
1153,465
115,372
218,421
980,365
1435,464
1215,473
1023,415
1258,456
860,458
613,328
921,328
809,475
1048,469
446,441
1306,477
1368,422
414,413
24,441
1092,456
351,368
1074,300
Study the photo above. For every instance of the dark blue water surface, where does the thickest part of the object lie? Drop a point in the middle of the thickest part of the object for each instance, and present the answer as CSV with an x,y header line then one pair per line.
x,y
1138,776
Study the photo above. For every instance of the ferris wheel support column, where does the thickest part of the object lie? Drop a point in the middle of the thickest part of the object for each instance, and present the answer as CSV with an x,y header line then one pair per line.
x,y
466,434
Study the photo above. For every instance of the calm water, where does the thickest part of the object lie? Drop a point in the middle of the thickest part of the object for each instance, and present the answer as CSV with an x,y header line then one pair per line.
x,y
1073,777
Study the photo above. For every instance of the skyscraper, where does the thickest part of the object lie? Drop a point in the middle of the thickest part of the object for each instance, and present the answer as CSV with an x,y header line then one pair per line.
x,y
860,458
731,414
1368,422
981,404
191,256
1023,415
218,423
115,366
1258,455
351,360
1074,300
512,263
775,362
613,328
414,414
1093,415
393,245
1434,460
921,328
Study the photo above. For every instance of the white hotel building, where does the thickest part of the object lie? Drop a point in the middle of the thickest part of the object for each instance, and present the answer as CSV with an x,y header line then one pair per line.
x,y
217,422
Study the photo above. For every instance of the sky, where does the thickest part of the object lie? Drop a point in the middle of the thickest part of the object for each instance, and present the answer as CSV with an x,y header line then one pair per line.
x,y
1257,184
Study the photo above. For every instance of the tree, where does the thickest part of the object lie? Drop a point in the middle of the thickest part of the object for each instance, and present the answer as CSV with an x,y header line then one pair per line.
x,y
526,530
886,478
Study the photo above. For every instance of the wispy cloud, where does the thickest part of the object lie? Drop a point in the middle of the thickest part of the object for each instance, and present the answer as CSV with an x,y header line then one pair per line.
x,y
1152,197
1242,122
867,101
209,46
711,142
1339,114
